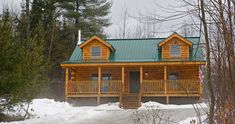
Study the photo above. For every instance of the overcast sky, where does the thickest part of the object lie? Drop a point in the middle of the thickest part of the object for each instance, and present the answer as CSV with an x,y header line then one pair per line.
x,y
134,7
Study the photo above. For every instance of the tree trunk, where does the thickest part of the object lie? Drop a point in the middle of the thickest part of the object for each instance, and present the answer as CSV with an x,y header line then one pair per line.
x,y
51,42
227,35
208,65
76,22
28,18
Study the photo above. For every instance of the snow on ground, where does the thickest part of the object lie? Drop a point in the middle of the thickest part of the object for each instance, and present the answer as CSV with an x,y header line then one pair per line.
x,y
187,120
156,105
49,111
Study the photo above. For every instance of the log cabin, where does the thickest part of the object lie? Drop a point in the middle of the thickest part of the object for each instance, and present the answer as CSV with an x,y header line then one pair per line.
x,y
131,70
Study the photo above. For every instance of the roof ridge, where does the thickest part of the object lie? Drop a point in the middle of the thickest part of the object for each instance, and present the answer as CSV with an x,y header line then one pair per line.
x,y
134,39
112,39
160,38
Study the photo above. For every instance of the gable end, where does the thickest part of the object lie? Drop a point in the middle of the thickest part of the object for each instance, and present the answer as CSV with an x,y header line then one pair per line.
x,y
98,39
96,49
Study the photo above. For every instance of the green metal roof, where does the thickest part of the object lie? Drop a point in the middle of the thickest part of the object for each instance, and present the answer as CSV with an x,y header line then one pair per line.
x,y
138,50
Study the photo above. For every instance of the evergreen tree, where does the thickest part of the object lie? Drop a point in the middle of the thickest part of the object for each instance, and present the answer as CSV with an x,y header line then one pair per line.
x,y
9,65
88,15
33,47
22,65
32,65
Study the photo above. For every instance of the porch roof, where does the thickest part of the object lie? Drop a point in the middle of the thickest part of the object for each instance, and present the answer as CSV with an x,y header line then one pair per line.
x,y
138,50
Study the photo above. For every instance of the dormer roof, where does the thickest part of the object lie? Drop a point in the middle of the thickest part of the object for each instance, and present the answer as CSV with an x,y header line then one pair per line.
x,y
175,35
98,39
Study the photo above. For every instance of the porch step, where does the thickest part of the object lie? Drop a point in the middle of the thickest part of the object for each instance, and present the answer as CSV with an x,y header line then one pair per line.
x,y
130,101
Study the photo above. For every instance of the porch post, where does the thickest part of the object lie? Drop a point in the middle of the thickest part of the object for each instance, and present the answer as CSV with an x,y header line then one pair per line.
x,y
123,77
66,82
200,83
122,86
99,85
141,79
165,79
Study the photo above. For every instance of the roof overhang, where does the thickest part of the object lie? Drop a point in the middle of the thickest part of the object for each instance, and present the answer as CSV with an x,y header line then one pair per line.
x,y
98,39
175,35
179,63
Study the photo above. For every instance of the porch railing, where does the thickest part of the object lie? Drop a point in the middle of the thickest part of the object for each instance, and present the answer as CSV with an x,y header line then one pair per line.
x,y
183,86
111,86
91,87
172,87
153,86
87,87
148,87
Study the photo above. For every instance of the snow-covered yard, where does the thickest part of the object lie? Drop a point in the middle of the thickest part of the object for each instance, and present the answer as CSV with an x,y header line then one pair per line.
x,y
48,111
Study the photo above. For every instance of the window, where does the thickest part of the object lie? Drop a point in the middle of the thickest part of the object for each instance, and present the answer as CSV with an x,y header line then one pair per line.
x,y
175,50
173,76
95,52
173,81
105,83
94,81
94,77
105,77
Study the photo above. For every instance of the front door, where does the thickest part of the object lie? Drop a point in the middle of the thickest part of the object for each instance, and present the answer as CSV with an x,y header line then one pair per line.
x,y
134,80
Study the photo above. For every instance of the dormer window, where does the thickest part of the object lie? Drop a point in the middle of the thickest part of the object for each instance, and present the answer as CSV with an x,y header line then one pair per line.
x,y
95,52
175,50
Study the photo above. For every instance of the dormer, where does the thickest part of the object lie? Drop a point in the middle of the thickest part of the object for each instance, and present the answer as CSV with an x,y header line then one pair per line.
x,y
96,49
175,47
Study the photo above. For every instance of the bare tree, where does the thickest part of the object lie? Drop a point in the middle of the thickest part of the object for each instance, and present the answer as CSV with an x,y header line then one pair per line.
x,y
217,19
151,116
123,30
208,65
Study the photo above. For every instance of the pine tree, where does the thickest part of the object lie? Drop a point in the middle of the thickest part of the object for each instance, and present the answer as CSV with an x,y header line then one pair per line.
x,y
22,65
88,15
11,79
9,57
32,65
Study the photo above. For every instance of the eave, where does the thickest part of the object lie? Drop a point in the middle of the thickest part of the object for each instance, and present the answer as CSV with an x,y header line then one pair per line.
x,y
176,63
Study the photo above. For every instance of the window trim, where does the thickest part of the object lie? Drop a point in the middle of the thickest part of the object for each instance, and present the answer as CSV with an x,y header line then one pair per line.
x,y
179,50
95,57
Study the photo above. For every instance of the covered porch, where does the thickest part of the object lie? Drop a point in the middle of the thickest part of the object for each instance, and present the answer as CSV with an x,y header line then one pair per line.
x,y
146,81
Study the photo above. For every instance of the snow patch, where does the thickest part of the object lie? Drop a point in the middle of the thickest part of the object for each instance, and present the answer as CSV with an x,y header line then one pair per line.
x,y
156,105
50,111
187,120
109,107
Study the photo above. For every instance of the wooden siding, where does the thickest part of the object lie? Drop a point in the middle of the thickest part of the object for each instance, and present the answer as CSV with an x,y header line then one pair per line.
x,y
184,49
153,73
185,72
105,51
149,73
84,73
